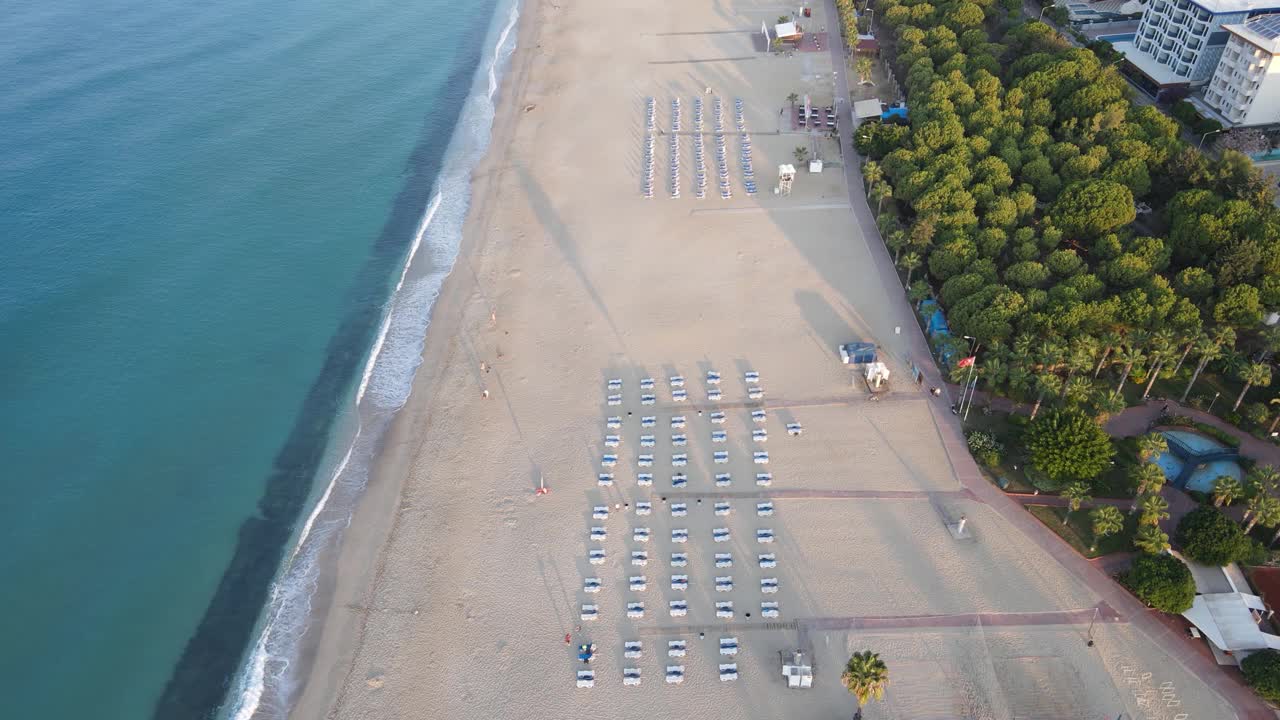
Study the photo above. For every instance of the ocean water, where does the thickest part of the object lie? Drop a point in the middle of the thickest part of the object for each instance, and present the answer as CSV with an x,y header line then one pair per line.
x,y
207,210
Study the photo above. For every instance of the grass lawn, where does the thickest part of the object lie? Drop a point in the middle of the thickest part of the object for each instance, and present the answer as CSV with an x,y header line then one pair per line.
x,y
1078,531
1012,461
1118,481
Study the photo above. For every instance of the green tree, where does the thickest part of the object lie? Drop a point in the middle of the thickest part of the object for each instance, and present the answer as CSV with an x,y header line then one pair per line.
x,y
1207,536
863,68
1266,513
1162,582
1151,539
1252,374
909,262
1262,672
1107,520
1151,446
1240,305
1226,490
1077,494
1148,478
1154,509
1093,207
1046,384
1128,357
1068,445
1208,349
872,173
792,98
865,676
801,154
1161,351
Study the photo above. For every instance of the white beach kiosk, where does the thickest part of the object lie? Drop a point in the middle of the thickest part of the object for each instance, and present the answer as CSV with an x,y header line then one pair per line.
x,y
1225,616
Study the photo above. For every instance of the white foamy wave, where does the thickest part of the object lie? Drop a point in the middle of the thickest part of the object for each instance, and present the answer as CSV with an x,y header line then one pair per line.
x,y
265,687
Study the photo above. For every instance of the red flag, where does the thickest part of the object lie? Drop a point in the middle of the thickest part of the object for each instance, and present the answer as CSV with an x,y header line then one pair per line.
x,y
966,362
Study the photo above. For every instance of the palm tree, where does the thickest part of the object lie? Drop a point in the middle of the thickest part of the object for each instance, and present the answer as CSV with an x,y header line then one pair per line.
x,y
1077,494
1151,539
1271,430
1161,351
1107,405
895,241
801,154
1209,348
1226,490
1257,499
1264,478
792,98
880,192
1267,513
1046,384
918,291
1019,380
863,67
1128,356
865,676
1252,374
1151,446
909,262
1110,340
1079,358
1154,509
1149,477
1186,350
872,173
1078,390
1107,520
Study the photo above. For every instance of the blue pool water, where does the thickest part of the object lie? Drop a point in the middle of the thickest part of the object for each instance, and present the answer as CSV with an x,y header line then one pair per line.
x,y
1121,37
1203,476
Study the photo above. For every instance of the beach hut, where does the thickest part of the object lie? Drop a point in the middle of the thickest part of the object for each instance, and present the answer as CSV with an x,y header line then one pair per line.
x,y
788,32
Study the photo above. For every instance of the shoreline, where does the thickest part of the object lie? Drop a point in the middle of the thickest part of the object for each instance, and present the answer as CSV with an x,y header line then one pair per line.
x,y
351,577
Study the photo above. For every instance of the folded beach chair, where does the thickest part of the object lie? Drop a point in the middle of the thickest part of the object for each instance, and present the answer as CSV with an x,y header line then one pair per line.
x,y
595,556
728,672
612,440
768,561
724,560
679,460
760,435
648,399
586,678
614,422
679,440
723,480
638,583
713,377
719,436
679,480
728,646
722,508
679,395
679,559
758,416
764,535
615,384
714,395
614,399
635,610
724,609
677,648
598,533
720,457
794,428
679,535
720,534
647,441
631,676
639,557
761,457
752,377
648,421
600,512
679,582
675,674
678,422
755,393
764,509
678,608
644,508
591,585
679,509
769,586
609,460
764,479
724,583
645,460
640,534
644,479
604,479
632,649
677,381
589,612
646,384
769,609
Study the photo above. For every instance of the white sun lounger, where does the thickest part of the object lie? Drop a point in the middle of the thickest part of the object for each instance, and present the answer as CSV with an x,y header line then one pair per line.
x,y
646,384
604,479
724,560
723,508
648,421
768,561
648,441
769,609
644,507
595,556
724,609
764,535
718,417
679,395
728,646
675,674
679,440
614,400
635,609
614,422
638,583
679,509
648,399
600,512
728,672
591,585
680,535
768,586
761,457
612,440
720,457
755,392
679,460
720,534
723,480
719,436
677,381
764,509
639,557
713,377
615,384
640,534
586,678
724,583
598,533
631,676
679,480
764,479
714,395
609,461
677,648
632,649
679,559
589,612
678,608
752,377
678,422
644,479
794,428
645,461
760,435
679,582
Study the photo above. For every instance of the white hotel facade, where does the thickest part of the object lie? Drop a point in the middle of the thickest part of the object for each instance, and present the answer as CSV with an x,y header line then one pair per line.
x,y
1245,87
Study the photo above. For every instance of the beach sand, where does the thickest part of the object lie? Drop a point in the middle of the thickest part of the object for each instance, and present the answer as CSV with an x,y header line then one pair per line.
x,y
457,585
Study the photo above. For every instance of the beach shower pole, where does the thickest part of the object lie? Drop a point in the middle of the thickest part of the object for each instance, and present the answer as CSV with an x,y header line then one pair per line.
x,y
1091,622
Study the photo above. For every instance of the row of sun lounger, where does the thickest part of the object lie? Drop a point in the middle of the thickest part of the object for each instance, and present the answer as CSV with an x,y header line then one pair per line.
x,y
722,161
646,185
719,457
679,608
680,535
678,480
640,558
675,148
750,377
744,141
699,162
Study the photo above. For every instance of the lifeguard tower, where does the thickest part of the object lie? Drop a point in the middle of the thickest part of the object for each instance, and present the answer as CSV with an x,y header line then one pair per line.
x,y
797,669
786,176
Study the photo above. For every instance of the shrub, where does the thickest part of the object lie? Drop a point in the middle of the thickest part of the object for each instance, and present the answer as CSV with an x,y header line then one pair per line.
x,y
1162,582
985,447
1068,445
1262,672
1207,536
1257,413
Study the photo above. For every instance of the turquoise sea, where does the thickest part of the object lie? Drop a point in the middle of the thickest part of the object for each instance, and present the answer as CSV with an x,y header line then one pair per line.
x,y
206,211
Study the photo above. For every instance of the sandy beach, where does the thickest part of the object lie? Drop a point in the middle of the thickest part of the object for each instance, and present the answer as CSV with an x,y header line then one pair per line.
x,y
457,585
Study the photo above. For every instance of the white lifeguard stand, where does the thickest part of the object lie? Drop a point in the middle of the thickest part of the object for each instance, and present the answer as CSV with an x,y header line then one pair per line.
x,y
877,373
797,670
786,175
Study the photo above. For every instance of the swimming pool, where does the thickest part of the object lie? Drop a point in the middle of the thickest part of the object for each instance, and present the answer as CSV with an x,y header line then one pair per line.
x,y
1119,38
1203,476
